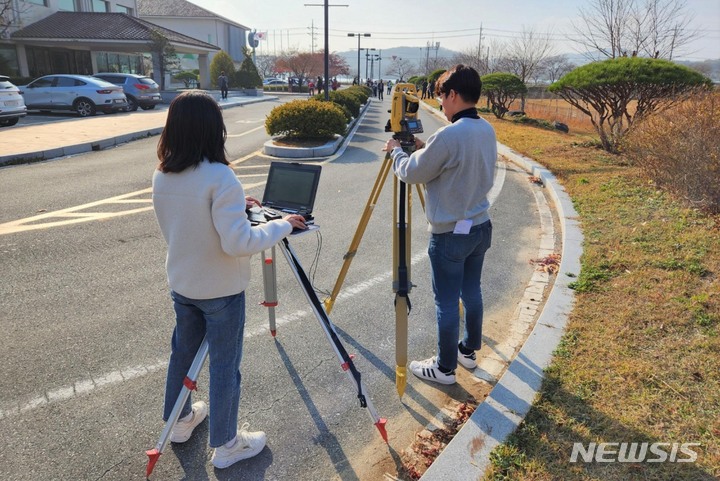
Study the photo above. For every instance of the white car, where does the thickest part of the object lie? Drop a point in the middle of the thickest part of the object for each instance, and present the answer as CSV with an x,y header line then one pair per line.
x,y
79,93
274,81
12,106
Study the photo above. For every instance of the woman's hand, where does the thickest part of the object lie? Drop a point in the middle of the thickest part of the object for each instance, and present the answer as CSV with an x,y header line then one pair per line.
x,y
297,221
251,201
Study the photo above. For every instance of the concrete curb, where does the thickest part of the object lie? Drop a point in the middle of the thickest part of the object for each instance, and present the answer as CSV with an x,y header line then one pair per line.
x,y
47,154
467,456
327,150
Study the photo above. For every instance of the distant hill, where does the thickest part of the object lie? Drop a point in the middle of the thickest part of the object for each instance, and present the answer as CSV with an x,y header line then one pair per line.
x,y
417,55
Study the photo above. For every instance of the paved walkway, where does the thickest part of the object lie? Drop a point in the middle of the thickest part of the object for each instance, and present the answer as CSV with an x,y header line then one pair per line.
x,y
67,137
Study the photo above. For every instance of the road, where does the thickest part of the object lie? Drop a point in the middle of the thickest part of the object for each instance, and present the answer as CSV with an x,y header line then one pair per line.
x,y
86,319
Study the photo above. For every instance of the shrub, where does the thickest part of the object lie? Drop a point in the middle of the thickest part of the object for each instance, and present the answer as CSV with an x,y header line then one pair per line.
x,y
605,90
436,75
343,99
247,76
678,149
186,77
221,62
306,119
501,90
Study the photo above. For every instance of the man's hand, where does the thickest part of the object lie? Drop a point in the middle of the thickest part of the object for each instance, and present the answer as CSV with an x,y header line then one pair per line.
x,y
297,221
391,144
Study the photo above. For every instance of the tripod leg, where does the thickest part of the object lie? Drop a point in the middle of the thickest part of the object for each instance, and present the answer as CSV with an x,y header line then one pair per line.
x,y
270,287
189,384
402,285
352,250
345,359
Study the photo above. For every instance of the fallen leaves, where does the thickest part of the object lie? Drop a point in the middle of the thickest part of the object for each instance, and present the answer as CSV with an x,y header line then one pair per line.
x,y
429,444
549,264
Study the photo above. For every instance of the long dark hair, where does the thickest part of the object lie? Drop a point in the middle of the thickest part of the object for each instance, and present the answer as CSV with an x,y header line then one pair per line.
x,y
194,130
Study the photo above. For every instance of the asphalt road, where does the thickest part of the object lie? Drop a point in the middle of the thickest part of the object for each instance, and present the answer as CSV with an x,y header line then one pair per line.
x,y
86,320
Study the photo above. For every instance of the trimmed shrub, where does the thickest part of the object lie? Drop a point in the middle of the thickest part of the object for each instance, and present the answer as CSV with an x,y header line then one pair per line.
x,y
247,76
306,119
344,99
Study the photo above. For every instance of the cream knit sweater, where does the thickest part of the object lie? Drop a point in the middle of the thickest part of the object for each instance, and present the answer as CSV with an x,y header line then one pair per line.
x,y
201,213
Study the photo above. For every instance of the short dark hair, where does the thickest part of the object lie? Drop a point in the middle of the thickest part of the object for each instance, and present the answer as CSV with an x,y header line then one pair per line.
x,y
194,131
462,79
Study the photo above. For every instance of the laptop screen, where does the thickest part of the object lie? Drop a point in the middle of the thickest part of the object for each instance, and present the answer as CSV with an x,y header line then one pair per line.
x,y
291,186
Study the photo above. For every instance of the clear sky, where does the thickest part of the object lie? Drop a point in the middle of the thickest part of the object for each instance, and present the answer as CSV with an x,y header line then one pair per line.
x,y
413,23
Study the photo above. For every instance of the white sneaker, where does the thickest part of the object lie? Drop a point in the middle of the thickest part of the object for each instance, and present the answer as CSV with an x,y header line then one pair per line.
x,y
428,370
183,429
468,361
246,446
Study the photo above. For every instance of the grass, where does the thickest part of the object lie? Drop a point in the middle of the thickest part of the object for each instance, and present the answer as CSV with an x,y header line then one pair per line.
x,y
640,359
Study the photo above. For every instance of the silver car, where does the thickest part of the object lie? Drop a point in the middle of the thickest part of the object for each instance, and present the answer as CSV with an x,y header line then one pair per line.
x,y
79,93
12,106
140,90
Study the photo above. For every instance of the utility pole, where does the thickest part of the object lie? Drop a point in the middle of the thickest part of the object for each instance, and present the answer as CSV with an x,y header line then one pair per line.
x,y
312,29
327,43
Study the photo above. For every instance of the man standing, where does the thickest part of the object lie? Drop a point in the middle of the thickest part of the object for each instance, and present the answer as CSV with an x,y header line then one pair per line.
x,y
223,84
380,89
457,166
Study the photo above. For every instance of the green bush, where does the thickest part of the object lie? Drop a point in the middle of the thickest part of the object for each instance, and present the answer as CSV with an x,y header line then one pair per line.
x,y
344,99
221,62
306,119
247,76
436,75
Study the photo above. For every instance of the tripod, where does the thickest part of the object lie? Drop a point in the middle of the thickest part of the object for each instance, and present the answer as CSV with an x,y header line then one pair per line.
x,y
271,302
402,221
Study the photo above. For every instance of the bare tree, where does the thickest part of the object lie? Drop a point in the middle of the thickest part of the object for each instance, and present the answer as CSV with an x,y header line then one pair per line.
x,y
650,28
266,65
524,54
400,68
473,57
552,68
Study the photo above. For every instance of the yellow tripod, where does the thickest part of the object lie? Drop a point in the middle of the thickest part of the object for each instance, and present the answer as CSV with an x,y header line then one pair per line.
x,y
402,216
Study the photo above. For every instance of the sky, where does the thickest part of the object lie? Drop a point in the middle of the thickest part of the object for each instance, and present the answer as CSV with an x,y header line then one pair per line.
x,y
456,24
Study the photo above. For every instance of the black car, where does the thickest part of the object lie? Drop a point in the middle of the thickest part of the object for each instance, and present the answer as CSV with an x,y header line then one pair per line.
x,y
140,90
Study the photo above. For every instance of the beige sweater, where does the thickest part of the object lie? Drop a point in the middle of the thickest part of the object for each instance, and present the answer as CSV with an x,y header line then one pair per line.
x,y
201,213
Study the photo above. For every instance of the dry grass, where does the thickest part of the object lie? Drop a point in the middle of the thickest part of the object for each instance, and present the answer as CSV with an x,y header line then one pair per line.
x,y
640,361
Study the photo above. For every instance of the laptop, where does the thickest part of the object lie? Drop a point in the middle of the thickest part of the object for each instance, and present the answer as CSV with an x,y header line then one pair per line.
x,y
290,189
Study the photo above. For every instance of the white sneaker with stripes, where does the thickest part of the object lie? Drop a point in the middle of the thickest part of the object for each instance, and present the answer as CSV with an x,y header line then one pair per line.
x,y
428,370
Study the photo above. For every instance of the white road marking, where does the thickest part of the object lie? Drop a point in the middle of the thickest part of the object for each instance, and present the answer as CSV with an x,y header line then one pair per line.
x,y
85,386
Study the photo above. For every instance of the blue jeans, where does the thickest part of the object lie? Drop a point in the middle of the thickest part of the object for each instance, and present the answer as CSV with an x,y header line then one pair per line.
x,y
456,261
223,321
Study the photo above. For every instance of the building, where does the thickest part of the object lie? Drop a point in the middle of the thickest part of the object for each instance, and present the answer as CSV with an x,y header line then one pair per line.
x,y
39,37
194,21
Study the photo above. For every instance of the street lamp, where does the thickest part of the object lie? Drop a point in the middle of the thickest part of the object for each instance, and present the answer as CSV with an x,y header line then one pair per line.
x,y
367,58
358,35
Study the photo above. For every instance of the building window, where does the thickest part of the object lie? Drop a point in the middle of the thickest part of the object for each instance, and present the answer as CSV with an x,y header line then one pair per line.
x,y
38,2
99,6
67,5
124,9
8,61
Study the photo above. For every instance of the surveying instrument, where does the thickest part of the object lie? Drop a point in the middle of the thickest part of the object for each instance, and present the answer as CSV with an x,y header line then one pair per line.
x,y
403,123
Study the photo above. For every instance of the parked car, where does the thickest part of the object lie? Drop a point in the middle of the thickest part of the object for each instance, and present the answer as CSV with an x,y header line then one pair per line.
x,y
140,90
80,93
274,81
12,105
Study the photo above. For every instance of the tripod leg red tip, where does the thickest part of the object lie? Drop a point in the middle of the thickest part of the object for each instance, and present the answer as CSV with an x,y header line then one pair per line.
x,y
273,332
153,456
381,427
